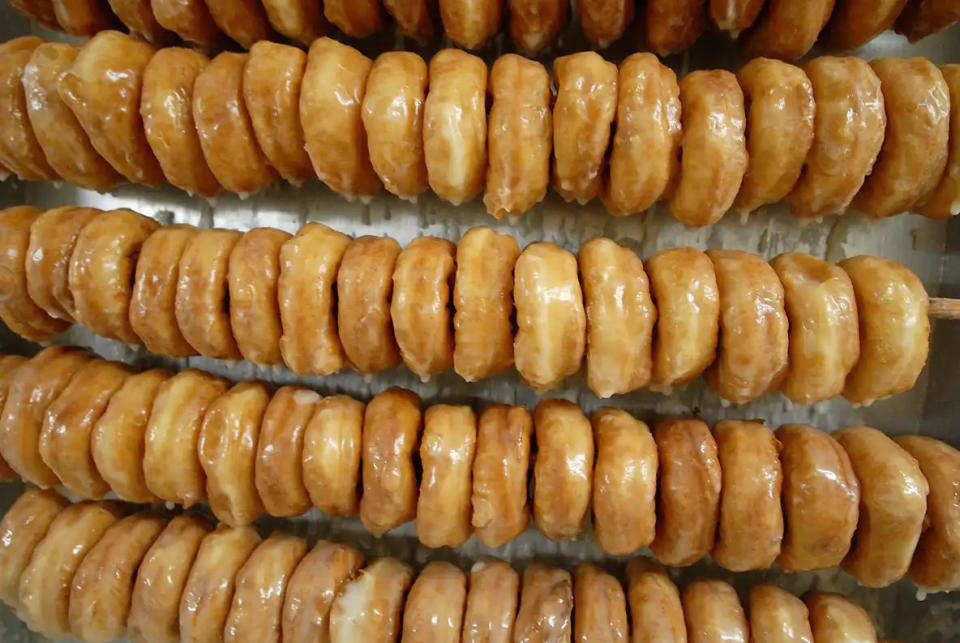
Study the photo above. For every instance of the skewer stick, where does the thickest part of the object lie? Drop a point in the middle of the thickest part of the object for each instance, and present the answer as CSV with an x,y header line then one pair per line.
x,y
942,308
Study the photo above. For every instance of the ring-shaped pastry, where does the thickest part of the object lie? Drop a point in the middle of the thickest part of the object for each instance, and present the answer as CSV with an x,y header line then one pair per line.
x,y
24,525
927,17
655,606
599,605
733,16
414,18
774,612
535,24
546,605
835,618
332,448
137,16
19,149
603,21
674,25
434,606
244,21
855,22
189,19
302,21
944,201
370,607
9,367
315,583
278,472
491,602
355,18
787,30
713,612
471,23
39,11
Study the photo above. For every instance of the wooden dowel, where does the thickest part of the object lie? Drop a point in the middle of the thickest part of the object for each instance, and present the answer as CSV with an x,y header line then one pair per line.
x,y
942,308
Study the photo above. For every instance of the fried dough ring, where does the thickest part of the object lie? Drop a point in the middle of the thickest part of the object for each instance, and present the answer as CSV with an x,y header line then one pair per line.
x,y
600,606
546,605
604,21
788,30
19,149
312,588
491,602
23,527
355,18
469,23
944,201
434,606
535,24
713,613
300,20
674,25
733,16
39,11
278,473
332,447
925,18
414,18
655,609
137,16
777,615
854,22
9,367
244,21
83,17
837,619
189,19
370,607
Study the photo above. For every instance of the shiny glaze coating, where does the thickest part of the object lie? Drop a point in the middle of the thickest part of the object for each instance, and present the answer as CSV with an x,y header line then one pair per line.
x,y
434,606
534,24
604,21
944,201
733,16
787,29
137,16
470,23
244,21
491,602
600,607
414,18
713,613
356,18
926,17
312,588
370,607
674,25
655,609
854,22
837,619
546,605
23,527
302,21
189,19
19,149
9,366
278,473
777,616
332,448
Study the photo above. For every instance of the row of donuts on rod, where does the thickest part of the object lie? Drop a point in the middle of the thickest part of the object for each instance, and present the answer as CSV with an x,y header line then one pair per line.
x,y
837,133
319,301
801,498
97,572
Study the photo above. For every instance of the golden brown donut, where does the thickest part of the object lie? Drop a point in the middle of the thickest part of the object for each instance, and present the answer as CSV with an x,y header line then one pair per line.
x,y
713,156
272,78
688,504
37,384
332,446
155,601
848,131
137,16
171,466
788,29
624,482
301,20
471,23
620,318
189,19
894,329
837,619
393,120
551,323
519,136
244,21
434,607
355,18
604,21
83,17
683,287
420,305
23,526
447,449
210,585
562,470
17,310
370,607
491,602
40,11
854,22
893,505
936,561
645,158
260,586
824,340
202,303
223,124
65,437
331,104
535,24
455,125
391,431
926,17
306,291
779,130
546,605
278,473
713,613
483,299
227,448
600,606
103,89
166,106
674,25
820,498
100,591
583,113
944,201
414,18
65,145
315,583
655,609
733,16
44,593
9,367
500,468
752,357
364,288
19,149
777,616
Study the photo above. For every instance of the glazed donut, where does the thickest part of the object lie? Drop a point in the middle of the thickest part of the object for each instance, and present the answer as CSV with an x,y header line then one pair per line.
x,y
713,159
733,16
491,602
620,318
689,483
854,22
674,25
272,78
583,113
227,449
84,17
777,615
551,323
434,606
562,470
223,126
447,449
306,292
944,201
209,589
894,329
9,365
391,431
534,24
849,124
655,609
820,499
253,270
483,300
332,447
301,21
455,125
779,129
189,19
68,423
202,303
926,17
646,145
624,482
155,600
23,527
519,136
19,149
100,590
166,106
370,607
835,619
278,473
64,144
334,84
471,23
255,614
936,561
683,287
355,18
500,469
171,465
414,18
788,29
244,21
546,605
103,90
893,505
319,577
604,21
137,16
40,11
44,594
600,606
393,121
713,613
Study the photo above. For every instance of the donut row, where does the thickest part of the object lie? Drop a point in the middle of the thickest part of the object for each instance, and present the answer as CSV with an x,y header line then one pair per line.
x,y
837,133
743,494
319,302
90,572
